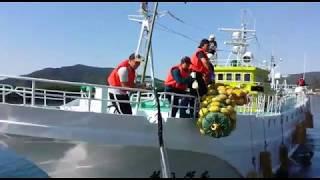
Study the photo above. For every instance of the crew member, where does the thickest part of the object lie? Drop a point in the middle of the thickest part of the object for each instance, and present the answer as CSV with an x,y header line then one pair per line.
x,y
177,82
123,76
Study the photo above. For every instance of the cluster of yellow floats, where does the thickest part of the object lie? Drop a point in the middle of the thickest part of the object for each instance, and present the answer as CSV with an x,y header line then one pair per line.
x,y
217,115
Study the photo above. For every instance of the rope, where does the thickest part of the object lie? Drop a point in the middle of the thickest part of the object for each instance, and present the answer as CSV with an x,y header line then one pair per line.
x,y
282,136
187,24
264,135
164,166
165,28
251,143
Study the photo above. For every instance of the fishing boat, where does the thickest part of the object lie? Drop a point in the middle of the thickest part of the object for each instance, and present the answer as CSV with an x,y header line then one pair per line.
x,y
82,135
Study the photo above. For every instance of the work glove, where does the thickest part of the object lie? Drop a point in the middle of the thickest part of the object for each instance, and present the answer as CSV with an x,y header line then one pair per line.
x,y
148,86
195,85
193,75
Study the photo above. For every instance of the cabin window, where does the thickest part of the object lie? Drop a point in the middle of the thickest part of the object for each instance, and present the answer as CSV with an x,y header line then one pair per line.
x,y
229,76
220,76
238,77
247,77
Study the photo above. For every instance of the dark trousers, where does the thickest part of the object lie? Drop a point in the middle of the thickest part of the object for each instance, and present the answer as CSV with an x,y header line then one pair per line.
x,y
185,102
175,99
121,107
203,89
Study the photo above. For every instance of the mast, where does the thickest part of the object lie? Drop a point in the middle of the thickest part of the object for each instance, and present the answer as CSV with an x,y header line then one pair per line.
x,y
304,66
272,69
144,20
240,38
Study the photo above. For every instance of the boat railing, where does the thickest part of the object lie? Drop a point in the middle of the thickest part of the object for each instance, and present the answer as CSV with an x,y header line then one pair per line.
x,y
238,63
270,104
286,86
164,98
60,99
241,84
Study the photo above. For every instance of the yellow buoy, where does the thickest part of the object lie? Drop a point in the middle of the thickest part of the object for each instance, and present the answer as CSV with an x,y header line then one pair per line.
x,y
222,97
203,112
265,164
225,111
214,108
215,103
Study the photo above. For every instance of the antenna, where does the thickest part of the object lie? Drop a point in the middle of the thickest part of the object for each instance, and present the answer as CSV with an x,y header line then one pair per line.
x,y
272,44
240,41
143,19
304,65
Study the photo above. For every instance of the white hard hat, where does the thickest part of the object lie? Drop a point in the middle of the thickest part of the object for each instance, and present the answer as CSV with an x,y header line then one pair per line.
x,y
212,36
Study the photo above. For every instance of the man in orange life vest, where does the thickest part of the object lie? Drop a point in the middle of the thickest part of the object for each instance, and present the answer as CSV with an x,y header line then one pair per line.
x,y
201,66
123,76
202,74
301,82
177,82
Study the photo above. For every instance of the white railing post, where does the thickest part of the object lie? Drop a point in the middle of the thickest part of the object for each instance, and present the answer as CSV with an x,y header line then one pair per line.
x,y
171,104
33,86
265,104
281,103
3,94
275,104
89,100
64,98
268,104
45,98
24,96
272,104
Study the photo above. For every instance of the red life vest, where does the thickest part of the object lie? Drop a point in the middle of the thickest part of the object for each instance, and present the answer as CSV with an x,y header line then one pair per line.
x,y
197,64
113,78
301,82
171,82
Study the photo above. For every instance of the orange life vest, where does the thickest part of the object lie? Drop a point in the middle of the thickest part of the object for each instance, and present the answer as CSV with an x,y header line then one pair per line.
x,y
114,79
301,82
197,64
171,82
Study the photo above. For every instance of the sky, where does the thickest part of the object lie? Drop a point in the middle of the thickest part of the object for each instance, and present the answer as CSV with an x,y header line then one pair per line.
x,y
38,35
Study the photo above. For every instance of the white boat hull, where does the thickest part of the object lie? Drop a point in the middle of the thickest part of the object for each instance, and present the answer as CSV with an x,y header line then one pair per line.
x,y
122,134
60,158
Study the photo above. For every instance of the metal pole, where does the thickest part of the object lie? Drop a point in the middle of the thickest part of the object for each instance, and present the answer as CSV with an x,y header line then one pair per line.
x,y
89,100
140,38
304,66
45,98
24,96
152,67
149,41
147,52
163,154
33,86
64,99
3,94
